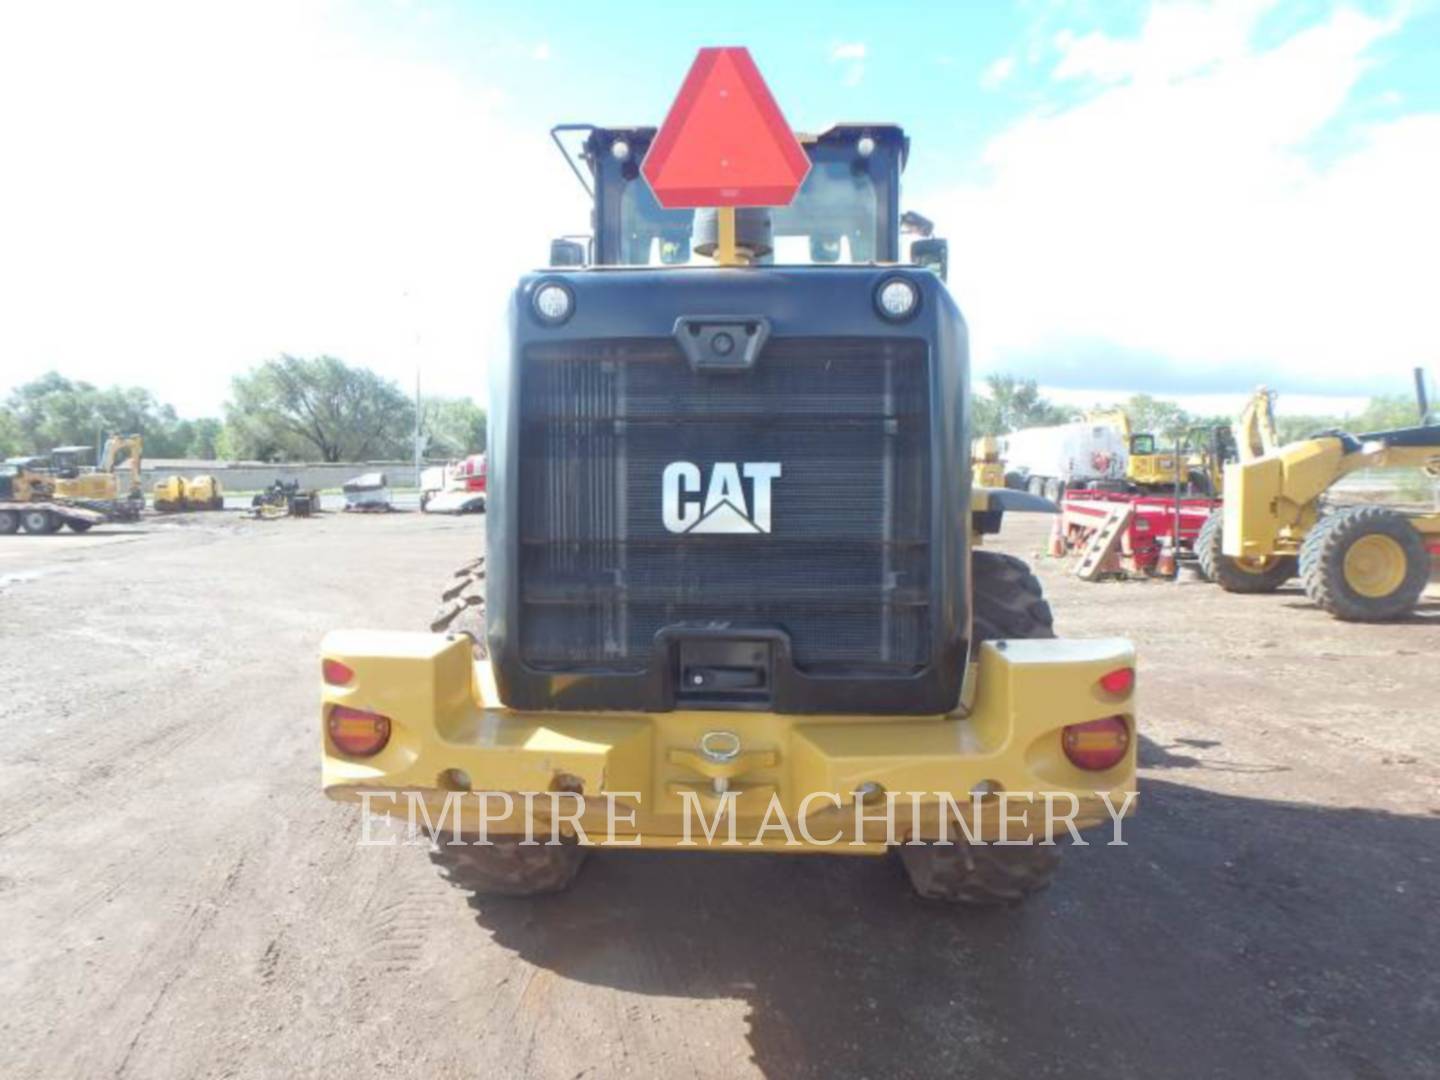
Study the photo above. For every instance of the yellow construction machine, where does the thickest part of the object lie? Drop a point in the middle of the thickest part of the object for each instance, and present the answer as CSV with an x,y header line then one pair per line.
x,y
174,493
730,595
1196,463
1362,562
100,488
986,468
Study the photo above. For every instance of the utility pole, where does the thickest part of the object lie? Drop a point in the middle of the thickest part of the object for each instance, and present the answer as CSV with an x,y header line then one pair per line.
x,y
418,437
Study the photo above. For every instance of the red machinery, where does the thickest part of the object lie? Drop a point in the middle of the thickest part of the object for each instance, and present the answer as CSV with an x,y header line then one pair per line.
x,y
1145,525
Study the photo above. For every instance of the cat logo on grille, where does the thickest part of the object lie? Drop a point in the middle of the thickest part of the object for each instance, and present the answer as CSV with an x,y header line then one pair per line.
x,y
725,507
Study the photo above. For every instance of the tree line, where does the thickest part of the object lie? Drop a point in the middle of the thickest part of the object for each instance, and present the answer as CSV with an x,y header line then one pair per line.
x,y
1011,404
287,409
322,409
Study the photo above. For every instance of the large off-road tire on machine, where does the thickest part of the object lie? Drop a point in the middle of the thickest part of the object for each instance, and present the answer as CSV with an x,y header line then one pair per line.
x,y
9,522
1365,564
1009,603
505,867
1238,575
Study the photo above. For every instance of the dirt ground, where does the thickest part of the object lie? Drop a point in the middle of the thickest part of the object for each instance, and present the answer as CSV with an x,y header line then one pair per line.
x,y
178,899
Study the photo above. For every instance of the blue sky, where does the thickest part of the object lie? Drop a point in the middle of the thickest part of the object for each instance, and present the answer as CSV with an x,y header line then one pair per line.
x,y
1174,197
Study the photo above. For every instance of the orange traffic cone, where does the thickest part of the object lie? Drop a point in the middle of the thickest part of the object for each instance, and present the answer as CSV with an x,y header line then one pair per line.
x,y
1057,539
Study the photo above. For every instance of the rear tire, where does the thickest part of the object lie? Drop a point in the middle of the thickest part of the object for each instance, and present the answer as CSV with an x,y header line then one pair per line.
x,y
1009,603
9,522
1365,564
1008,599
462,605
506,868
1234,575
979,875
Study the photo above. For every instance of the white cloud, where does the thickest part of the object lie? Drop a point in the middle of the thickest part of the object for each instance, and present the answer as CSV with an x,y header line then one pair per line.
x,y
204,187
541,51
997,73
852,56
1173,221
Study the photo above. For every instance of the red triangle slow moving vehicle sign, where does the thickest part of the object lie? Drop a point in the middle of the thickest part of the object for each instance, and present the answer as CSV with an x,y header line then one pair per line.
x,y
725,141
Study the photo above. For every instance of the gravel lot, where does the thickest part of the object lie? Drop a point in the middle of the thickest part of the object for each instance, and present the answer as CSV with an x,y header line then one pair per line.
x,y
178,899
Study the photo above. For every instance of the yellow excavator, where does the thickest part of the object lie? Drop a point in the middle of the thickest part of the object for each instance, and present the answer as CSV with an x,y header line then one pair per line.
x,y
1150,469
100,488
1359,562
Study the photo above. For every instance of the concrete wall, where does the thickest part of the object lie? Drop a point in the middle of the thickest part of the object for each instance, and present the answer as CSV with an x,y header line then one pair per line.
x,y
252,476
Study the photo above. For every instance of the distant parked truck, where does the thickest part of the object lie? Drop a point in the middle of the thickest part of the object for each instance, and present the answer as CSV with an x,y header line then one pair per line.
x,y
463,490
1047,460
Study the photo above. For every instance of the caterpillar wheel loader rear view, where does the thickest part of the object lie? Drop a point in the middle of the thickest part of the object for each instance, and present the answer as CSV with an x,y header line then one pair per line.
x,y
1362,563
732,594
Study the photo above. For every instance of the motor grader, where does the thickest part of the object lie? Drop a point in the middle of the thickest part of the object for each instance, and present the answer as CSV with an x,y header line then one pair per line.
x,y
1359,562
733,573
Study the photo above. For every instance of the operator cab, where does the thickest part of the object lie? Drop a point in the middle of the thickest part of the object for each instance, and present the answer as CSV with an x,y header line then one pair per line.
x,y
846,211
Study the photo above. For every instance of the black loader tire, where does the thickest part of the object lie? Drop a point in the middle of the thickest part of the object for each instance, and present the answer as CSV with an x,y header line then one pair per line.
x,y
1009,603
1334,544
1231,574
462,605
979,875
505,867
1008,599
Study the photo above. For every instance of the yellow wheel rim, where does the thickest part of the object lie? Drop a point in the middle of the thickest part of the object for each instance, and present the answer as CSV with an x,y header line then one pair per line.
x,y
1256,565
1375,566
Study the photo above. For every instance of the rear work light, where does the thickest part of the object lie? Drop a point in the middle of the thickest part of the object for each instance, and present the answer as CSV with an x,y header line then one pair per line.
x,y
335,673
357,733
1097,744
1119,681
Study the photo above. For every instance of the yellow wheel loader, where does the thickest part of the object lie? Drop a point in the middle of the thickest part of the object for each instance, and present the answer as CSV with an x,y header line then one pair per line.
x,y
731,596
1363,563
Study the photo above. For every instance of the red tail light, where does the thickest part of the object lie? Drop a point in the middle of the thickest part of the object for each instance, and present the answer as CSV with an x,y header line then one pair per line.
x,y
357,733
1119,681
1097,744
335,673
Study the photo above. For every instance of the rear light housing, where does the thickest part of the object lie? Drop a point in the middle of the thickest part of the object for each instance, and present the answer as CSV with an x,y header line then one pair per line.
x,y
1097,745
335,673
1120,681
357,733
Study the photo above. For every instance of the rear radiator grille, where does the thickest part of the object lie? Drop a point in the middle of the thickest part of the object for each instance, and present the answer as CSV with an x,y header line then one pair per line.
x,y
845,570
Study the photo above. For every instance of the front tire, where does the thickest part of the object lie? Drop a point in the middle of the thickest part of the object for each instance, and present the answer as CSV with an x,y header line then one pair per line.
x,y
1365,564
1238,575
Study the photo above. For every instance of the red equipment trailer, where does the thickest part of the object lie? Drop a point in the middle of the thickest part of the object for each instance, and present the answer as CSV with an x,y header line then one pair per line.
x,y
1150,525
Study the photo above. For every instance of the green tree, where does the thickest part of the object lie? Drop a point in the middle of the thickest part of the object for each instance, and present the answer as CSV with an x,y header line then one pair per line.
x,y
296,408
452,427
1012,404
55,411
12,439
